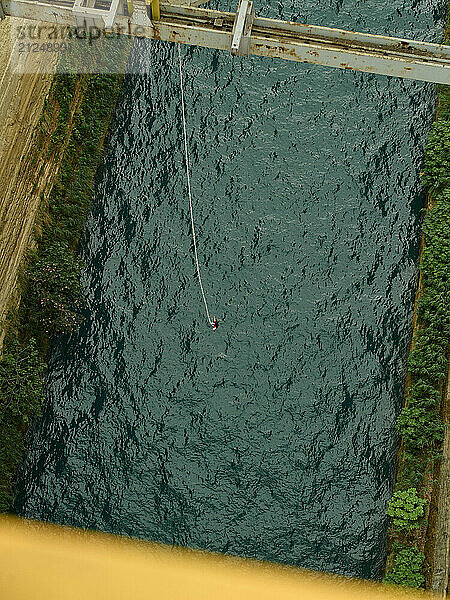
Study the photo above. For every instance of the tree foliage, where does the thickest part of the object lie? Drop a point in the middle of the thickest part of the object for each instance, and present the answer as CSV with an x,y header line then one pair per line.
x,y
53,298
437,159
407,569
406,508
21,396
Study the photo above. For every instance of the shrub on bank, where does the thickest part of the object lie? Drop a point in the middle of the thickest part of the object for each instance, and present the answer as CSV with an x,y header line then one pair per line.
x,y
21,394
20,381
407,569
436,173
406,508
53,299
420,427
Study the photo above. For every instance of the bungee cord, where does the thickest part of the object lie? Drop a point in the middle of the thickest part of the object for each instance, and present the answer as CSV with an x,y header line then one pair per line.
x,y
213,321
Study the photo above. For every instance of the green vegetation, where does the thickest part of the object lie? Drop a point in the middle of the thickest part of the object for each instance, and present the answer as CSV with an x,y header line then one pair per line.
x,y
21,395
437,168
406,508
407,568
63,94
76,114
420,422
52,300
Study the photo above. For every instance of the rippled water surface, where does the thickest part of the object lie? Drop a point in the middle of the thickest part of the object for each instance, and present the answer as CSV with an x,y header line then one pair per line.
x,y
274,436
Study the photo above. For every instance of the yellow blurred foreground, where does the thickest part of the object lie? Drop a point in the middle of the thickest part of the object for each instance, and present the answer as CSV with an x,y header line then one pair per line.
x,y
47,562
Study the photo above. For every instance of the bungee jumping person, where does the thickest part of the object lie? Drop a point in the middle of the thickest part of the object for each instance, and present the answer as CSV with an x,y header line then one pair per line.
x,y
214,323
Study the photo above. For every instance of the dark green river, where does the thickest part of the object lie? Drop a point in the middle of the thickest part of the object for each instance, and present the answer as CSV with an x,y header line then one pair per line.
x,y
274,436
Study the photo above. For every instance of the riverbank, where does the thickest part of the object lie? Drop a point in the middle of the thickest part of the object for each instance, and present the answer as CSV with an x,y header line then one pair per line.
x,y
26,175
45,207
420,507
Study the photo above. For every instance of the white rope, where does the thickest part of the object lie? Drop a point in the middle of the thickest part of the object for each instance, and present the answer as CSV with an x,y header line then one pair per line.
x,y
194,239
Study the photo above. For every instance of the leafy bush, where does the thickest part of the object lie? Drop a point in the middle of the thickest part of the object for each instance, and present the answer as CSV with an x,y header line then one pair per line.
x,y
20,381
412,469
53,298
423,394
419,428
407,569
21,395
436,173
427,360
406,508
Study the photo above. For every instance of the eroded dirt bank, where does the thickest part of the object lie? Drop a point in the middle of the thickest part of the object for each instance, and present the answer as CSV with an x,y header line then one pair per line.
x,y
25,174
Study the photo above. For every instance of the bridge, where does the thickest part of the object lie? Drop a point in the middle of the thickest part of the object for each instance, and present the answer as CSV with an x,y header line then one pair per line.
x,y
243,34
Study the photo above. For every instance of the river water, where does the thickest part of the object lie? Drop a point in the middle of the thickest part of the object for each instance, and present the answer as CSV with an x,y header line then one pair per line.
x,y
274,436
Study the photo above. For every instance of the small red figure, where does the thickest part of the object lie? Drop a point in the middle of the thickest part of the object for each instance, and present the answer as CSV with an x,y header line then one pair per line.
x,y
214,323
